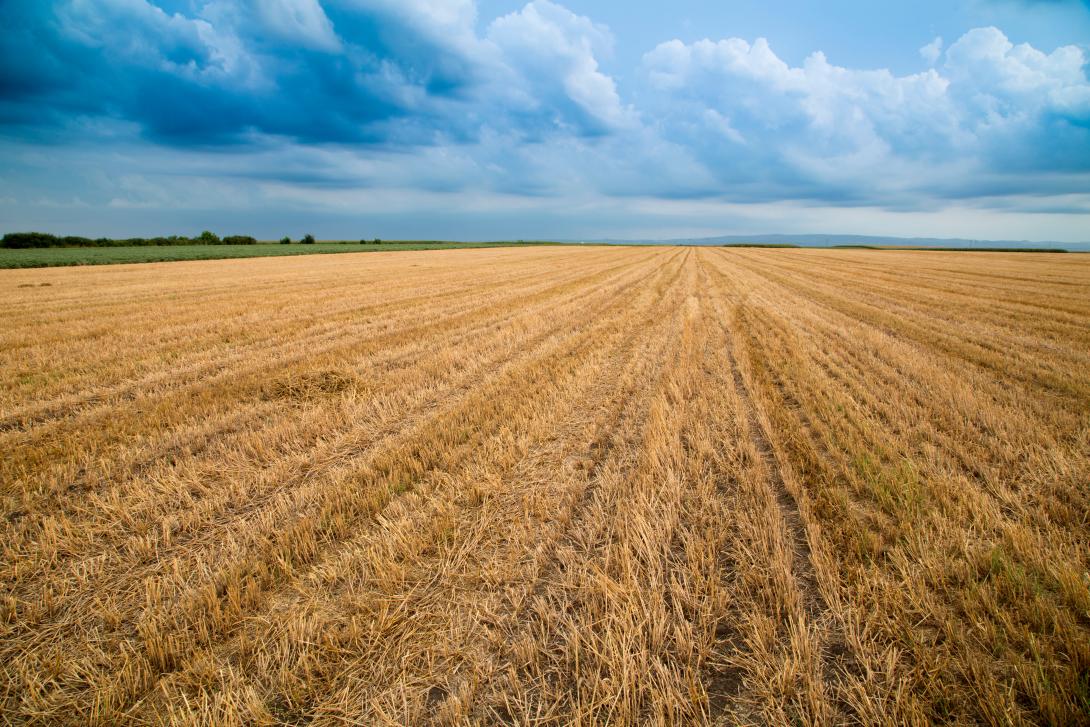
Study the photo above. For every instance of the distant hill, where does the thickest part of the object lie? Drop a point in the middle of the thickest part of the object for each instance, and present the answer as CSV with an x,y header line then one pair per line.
x,y
857,240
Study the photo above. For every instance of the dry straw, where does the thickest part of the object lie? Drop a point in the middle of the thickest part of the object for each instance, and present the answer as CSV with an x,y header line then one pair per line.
x,y
548,486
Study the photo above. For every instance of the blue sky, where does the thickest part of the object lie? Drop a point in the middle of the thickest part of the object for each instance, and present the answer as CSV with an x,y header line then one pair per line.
x,y
499,119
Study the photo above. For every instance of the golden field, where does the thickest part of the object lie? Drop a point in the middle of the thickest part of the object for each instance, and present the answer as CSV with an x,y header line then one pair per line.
x,y
548,486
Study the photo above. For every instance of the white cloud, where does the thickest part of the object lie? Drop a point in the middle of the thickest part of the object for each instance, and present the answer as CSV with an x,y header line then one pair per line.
x,y
554,52
993,76
842,133
301,21
932,51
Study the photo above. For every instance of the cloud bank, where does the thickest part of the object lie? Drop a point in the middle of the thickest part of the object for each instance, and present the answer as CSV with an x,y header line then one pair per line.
x,y
990,118
326,105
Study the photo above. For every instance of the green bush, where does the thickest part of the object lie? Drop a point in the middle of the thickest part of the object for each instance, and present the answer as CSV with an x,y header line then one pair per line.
x,y
308,239
239,240
208,238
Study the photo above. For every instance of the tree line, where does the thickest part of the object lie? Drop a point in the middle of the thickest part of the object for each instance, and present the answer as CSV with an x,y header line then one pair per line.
x,y
20,240
17,240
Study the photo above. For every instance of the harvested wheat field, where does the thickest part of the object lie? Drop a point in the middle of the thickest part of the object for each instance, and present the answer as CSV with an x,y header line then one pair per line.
x,y
548,486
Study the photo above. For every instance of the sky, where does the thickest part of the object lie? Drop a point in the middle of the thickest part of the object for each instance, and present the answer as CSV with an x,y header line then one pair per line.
x,y
587,119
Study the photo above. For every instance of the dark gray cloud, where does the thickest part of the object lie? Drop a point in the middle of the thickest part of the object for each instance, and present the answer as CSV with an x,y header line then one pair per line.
x,y
351,70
